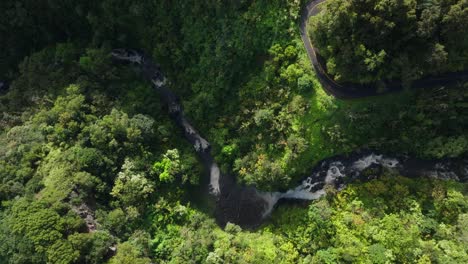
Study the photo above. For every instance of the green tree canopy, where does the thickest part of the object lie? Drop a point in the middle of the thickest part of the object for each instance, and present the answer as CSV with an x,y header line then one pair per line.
x,y
371,40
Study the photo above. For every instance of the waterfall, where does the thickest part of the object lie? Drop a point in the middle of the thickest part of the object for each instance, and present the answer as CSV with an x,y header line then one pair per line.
x,y
337,171
247,206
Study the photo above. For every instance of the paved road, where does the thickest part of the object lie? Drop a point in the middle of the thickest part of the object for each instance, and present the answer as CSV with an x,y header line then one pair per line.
x,y
352,90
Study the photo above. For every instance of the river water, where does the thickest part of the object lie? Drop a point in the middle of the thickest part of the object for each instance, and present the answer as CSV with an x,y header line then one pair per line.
x,y
247,206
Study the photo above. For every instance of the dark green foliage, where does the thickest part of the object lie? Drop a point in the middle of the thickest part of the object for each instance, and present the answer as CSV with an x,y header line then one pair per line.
x,y
430,123
367,41
79,131
30,25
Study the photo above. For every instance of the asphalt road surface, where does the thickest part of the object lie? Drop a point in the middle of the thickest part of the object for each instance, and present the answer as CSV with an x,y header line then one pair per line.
x,y
354,90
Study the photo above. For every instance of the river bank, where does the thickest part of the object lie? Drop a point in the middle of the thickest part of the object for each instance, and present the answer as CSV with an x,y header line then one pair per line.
x,y
248,207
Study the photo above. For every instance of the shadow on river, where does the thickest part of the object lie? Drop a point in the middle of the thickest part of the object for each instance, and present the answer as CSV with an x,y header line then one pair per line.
x,y
248,207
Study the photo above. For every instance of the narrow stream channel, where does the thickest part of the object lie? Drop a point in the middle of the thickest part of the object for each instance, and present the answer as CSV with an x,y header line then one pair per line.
x,y
247,206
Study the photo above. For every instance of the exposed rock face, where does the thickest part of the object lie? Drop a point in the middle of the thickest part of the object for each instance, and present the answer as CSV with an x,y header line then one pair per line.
x,y
87,215
86,212
247,206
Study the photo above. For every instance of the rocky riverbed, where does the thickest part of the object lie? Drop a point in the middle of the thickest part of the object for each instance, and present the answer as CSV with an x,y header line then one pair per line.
x,y
248,207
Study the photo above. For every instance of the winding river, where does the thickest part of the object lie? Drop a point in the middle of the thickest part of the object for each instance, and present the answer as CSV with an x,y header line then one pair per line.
x,y
247,206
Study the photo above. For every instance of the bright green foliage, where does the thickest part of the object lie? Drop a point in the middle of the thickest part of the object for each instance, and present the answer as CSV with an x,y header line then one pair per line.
x,y
366,41
23,146
273,137
234,246
200,241
80,131
172,166
40,225
169,167
393,219
54,162
310,230
62,252
118,134
131,187
128,254
187,244
34,231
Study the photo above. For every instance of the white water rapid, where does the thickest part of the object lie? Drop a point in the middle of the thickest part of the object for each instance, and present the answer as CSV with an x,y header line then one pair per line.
x,y
248,206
